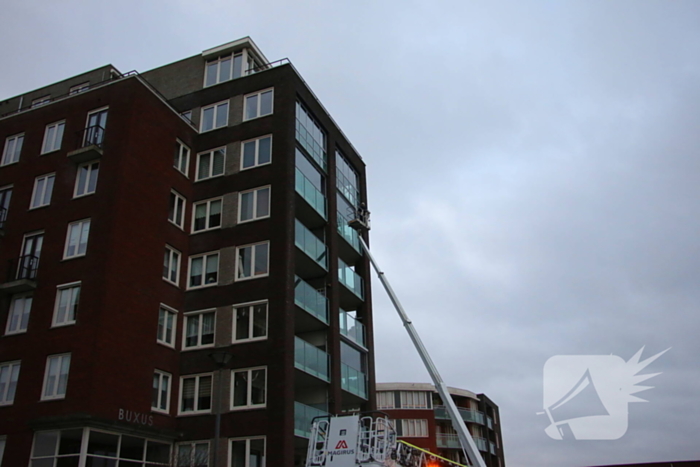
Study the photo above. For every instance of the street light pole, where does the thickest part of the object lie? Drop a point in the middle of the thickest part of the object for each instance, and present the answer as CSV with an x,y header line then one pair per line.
x,y
221,358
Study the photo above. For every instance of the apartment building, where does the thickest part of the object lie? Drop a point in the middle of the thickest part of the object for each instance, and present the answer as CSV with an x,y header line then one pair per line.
x,y
420,418
179,284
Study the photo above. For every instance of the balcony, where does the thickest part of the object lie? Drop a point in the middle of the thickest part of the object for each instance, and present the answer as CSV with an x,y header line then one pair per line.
x,y
489,422
21,275
481,444
308,299
353,293
350,235
314,260
353,381
468,415
311,360
303,418
451,441
492,448
3,218
89,146
352,328
315,200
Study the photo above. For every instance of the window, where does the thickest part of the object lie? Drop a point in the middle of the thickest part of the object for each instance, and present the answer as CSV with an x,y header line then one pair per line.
x,y
95,127
250,322
13,148
254,204
86,179
171,265
207,215
31,252
256,152
187,115
413,428
414,400
199,329
182,157
167,321
214,116
195,394
43,188
176,209
258,104
193,454
252,261
248,452
77,238
41,101
56,377
160,397
310,135
53,137
248,388
204,270
78,88
385,400
66,308
210,164
5,196
9,374
18,318
347,179
3,440
228,67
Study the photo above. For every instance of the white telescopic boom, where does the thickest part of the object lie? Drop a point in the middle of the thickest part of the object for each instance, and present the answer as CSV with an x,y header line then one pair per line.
x,y
465,439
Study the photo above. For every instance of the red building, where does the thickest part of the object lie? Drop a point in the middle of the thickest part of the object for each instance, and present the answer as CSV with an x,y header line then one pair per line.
x,y
175,251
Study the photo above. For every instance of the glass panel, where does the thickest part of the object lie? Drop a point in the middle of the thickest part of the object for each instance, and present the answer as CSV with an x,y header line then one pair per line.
x,y
132,448
247,205
240,389
70,441
264,150
259,320
103,444
244,261
261,255
100,462
224,70
43,463
212,271
208,119
257,392
249,154
221,115
207,328
191,338
237,65
218,165
158,452
251,104
196,272
204,397
45,443
266,103
212,68
188,386
72,461
238,453
263,203
214,214
95,170
242,323
200,216
257,453
204,166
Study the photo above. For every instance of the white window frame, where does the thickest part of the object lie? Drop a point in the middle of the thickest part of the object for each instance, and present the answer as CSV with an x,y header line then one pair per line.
x,y
204,270
192,461
199,344
208,214
197,378
54,394
246,61
170,315
91,172
55,143
18,329
254,249
80,225
249,387
247,450
386,400
249,306
416,428
198,176
41,197
255,141
182,156
39,101
214,106
5,393
162,375
259,101
414,400
78,88
255,204
59,291
180,206
170,251
12,142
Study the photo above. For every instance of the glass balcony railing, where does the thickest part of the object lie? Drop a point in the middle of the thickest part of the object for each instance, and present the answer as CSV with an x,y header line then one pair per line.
x,y
352,328
353,381
489,422
350,279
468,415
311,360
309,243
303,416
308,299
310,193
492,447
447,440
348,233
481,444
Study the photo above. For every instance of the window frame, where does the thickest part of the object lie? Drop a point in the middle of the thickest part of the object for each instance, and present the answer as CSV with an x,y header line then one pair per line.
x,y
247,440
181,147
197,378
15,153
55,394
259,103
257,152
59,290
180,201
198,345
4,401
198,177
80,237
88,178
56,139
161,375
172,251
250,306
208,214
252,276
386,400
255,204
249,393
204,269
192,461
416,428
414,400
171,314
42,197
78,88
11,313
214,106
39,101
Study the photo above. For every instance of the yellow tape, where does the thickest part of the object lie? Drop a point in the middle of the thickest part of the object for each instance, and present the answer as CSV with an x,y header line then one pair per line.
x,y
434,455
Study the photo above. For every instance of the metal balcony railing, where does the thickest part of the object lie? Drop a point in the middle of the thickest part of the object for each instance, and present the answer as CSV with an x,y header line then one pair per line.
x,y
91,136
24,267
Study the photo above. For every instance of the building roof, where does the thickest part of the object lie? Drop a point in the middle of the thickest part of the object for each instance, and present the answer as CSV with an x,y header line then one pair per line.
x,y
423,387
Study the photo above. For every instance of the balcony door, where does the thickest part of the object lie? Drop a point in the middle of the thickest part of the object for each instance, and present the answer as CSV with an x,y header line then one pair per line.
x,y
96,124
31,251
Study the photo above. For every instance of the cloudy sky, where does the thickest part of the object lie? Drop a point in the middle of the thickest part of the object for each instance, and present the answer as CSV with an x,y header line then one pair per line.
x,y
533,177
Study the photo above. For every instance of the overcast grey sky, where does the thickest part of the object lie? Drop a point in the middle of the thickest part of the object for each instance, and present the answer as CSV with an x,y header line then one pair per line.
x,y
533,176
